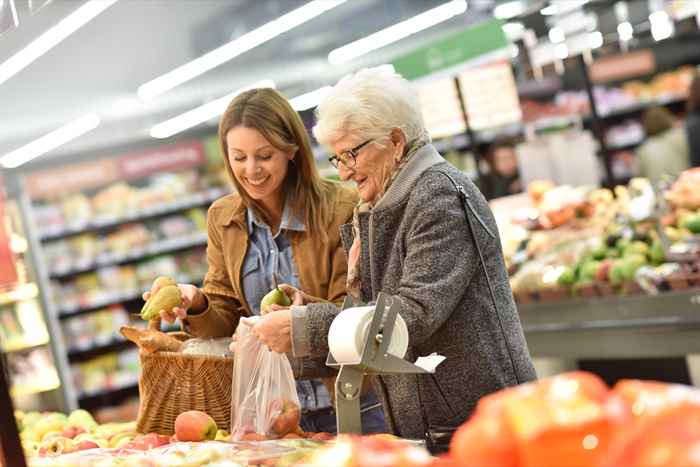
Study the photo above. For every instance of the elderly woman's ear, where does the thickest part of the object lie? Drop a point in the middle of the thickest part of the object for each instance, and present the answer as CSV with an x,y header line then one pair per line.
x,y
398,139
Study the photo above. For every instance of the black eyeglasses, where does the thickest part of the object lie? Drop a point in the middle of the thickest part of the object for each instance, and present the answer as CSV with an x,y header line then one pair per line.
x,y
348,157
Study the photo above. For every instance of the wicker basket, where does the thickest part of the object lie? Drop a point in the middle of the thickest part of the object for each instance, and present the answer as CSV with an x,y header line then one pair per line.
x,y
171,383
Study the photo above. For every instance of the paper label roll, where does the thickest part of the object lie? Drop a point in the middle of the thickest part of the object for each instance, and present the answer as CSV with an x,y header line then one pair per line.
x,y
348,334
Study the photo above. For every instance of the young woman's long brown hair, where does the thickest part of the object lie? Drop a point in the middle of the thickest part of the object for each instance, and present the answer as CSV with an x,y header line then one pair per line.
x,y
268,112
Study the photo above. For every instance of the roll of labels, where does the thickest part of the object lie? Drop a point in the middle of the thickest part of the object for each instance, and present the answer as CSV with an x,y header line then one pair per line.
x,y
369,340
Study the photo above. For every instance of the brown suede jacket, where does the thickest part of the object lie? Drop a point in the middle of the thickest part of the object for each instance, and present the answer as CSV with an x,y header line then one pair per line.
x,y
321,265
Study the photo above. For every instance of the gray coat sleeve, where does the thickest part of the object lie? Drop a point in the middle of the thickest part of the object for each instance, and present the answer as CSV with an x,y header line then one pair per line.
x,y
440,258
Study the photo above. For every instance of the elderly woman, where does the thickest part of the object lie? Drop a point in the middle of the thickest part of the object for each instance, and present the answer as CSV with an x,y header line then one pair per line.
x,y
410,238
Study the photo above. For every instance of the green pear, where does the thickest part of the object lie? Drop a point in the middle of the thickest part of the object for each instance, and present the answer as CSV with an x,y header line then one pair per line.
x,y
166,298
274,297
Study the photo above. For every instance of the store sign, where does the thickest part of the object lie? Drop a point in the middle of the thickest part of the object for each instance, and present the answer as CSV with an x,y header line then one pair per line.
x,y
166,159
72,178
490,96
454,51
623,66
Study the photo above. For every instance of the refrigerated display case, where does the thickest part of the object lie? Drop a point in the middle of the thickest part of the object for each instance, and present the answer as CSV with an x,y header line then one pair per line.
x,y
34,356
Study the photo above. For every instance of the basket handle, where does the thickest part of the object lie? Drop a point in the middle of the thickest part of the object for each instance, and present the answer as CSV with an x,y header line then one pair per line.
x,y
154,324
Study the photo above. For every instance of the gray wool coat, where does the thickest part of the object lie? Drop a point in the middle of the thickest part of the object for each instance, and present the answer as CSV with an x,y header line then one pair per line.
x,y
416,246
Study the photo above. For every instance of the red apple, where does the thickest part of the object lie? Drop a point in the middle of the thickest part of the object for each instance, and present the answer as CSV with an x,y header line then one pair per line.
x,y
284,415
72,431
86,444
194,425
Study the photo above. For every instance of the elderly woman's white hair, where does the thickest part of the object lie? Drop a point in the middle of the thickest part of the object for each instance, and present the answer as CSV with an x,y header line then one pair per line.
x,y
370,103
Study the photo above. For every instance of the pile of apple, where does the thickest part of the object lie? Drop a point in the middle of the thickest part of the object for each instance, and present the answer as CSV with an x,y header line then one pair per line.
x,y
53,433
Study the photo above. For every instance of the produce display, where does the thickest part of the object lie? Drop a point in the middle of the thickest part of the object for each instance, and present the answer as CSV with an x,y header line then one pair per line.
x,y
596,242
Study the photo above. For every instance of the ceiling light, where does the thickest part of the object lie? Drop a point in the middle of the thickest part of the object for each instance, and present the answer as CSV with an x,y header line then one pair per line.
x,y
625,31
595,39
513,31
509,10
234,48
202,113
310,99
397,32
661,25
549,10
50,141
556,35
52,37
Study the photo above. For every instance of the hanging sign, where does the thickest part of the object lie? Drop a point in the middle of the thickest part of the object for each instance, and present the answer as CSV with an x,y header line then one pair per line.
x,y
165,159
455,51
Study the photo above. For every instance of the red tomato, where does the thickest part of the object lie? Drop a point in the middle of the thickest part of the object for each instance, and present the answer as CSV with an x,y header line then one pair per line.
x,y
669,437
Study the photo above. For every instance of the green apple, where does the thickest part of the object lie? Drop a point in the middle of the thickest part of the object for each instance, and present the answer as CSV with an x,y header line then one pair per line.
x,y
83,419
274,297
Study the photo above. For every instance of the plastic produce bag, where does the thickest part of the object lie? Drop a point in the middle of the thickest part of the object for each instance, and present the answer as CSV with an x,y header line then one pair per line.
x,y
264,398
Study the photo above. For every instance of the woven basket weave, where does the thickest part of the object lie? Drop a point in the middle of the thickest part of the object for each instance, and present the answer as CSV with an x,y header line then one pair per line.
x,y
171,383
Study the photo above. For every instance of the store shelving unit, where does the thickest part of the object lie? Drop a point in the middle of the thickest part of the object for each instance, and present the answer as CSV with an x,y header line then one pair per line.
x,y
641,326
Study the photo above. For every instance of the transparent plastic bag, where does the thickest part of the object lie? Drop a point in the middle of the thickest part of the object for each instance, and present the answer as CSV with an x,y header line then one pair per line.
x,y
264,398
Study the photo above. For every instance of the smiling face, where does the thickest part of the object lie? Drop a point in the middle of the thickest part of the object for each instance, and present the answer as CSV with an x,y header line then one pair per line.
x,y
259,167
373,164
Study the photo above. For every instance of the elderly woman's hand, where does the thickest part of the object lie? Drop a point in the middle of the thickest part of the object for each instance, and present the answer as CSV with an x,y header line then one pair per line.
x,y
274,330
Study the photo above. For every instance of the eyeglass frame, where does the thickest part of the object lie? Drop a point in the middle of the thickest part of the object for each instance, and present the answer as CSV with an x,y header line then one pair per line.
x,y
350,154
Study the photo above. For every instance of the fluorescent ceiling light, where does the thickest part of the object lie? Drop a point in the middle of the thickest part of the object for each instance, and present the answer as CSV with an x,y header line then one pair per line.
x,y
397,32
595,39
202,113
625,31
50,141
661,25
513,31
556,35
52,37
234,48
310,99
509,10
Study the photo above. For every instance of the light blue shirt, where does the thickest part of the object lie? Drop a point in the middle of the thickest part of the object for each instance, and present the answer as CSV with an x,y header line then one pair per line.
x,y
268,254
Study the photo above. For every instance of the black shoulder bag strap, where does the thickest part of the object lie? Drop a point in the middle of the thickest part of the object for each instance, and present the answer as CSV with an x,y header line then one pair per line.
x,y
438,438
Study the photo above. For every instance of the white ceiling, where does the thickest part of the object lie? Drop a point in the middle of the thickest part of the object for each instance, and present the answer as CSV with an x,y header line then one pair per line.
x,y
99,68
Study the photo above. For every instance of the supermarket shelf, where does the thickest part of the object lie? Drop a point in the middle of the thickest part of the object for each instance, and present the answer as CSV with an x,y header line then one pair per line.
x,y
27,390
19,294
637,107
111,299
106,397
191,201
642,326
17,345
458,142
116,344
155,248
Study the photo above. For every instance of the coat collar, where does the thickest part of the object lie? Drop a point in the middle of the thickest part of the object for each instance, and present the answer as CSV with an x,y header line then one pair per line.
x,y
422,160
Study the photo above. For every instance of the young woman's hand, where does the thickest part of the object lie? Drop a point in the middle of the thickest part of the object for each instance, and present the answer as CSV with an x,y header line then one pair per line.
x,y
296,296
192,298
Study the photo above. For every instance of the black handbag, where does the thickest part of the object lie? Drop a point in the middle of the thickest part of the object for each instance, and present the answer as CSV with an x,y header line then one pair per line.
x,y
438,438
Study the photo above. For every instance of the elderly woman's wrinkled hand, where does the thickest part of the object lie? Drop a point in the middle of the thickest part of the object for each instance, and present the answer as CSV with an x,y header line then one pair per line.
x,y
274,330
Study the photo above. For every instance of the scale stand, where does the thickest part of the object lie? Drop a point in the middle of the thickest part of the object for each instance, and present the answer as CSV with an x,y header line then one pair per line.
x,y
375,360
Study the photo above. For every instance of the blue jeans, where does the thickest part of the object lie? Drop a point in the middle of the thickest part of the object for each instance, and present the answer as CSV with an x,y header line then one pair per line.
x,y
323,420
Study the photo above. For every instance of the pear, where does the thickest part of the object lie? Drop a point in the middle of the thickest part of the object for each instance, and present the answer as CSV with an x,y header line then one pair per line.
x,y
166,297
83,419
275,296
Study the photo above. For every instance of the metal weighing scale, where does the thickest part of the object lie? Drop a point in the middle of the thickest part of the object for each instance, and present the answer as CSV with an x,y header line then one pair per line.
x,y
375,360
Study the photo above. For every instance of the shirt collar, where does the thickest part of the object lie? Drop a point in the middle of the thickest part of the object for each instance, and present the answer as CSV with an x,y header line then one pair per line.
x,y
289,222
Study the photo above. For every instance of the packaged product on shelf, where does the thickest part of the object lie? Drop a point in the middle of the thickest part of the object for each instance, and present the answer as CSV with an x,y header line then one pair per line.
x,y
115,201
77,210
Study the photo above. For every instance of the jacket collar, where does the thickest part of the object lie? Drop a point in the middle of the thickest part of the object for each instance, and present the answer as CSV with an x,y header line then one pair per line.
x,y
235,213
422,160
